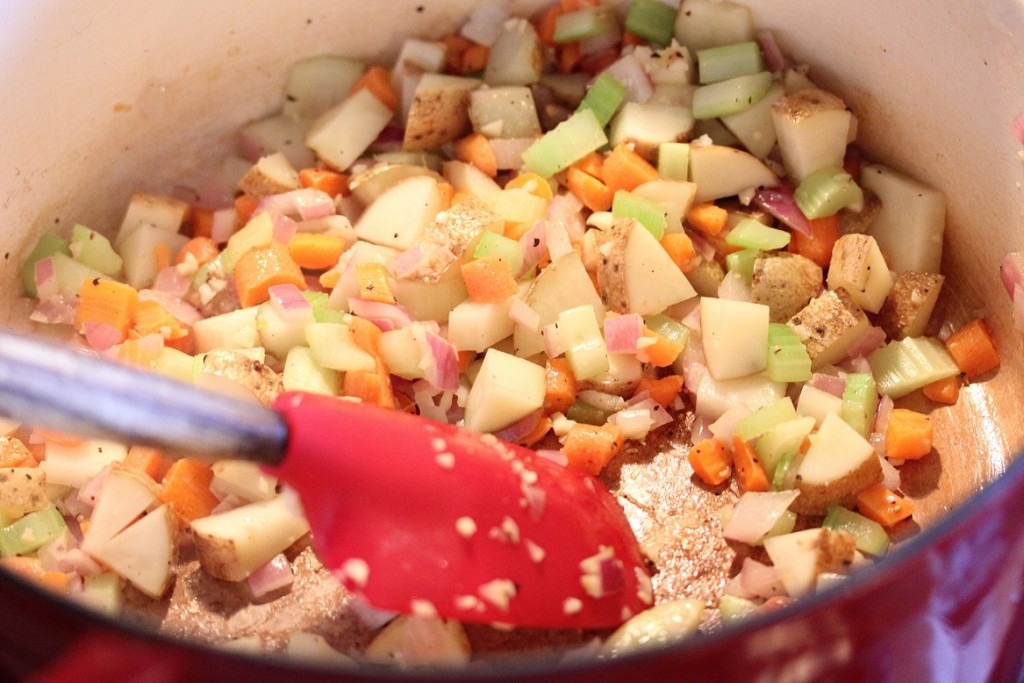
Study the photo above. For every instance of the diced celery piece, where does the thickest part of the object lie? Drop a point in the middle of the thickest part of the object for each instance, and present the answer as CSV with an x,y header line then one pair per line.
x,y
674,160
788,360
581,411
510,251
672,330
31,532
826,191
584,346
103,592
334,348
742,262
649,214
731,96
782,441
781,470
733,608
604,98
763,419
785,524
321,312
47,245
570,141
901,367
651,20
869,534
586,22
729,61
752,234
92,249
860,401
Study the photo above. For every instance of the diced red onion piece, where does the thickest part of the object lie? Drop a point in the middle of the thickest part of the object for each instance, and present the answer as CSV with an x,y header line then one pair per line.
x,y
92,489
101,336
701,245
829,383
882,413
389,140
872,338
773,57
857,364
734,288
1018,308
1018,126
409,261
180,310
564,210
515,432
725,426
760,580
485,22
508,152
444,370
630,72
553,345
699,430
622,332
535,241
170,281
890,475
223,225
395,314
1011,271
779,202
692,320
273,576
521,314
288,299
45,275
755,513
307,203
284,229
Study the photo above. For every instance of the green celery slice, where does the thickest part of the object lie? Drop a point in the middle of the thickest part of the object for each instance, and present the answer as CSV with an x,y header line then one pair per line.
x,y
742,262
584,412
31,532
901,367
665,326
649,214
651,20
763,419
586,22
826,191
788,360
860,401
731,96
510,251
781,470
871,538
570,141
785,524
723,62
94,250
752,234
604,98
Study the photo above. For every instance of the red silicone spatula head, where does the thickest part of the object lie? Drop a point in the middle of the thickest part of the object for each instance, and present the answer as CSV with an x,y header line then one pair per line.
x,y
419,516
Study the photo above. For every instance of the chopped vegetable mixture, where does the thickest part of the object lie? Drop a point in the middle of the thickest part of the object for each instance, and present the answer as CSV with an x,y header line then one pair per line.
x,y
570,230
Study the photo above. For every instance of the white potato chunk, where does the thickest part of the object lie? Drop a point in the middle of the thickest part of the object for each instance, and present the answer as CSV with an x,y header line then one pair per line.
x,y
506,389
735,337
839,464
858,267
800,557
813,128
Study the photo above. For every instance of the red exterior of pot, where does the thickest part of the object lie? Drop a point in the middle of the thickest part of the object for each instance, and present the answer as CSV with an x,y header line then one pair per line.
x,y
947,606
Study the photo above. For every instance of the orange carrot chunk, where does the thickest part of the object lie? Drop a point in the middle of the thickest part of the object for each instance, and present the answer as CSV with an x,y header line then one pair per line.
x,y
943,391
973,349
663,391
559,386
625,169
202,249
908,435
594,194
749,471
707,217
261,268
817,247
147,460
488,280
680,249
883,506
377,80
186,488
316,251
109,302
589,448
711,461
327,181
476,150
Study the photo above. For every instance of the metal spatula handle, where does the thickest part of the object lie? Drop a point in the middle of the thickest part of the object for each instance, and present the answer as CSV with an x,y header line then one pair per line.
x,y
53,386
